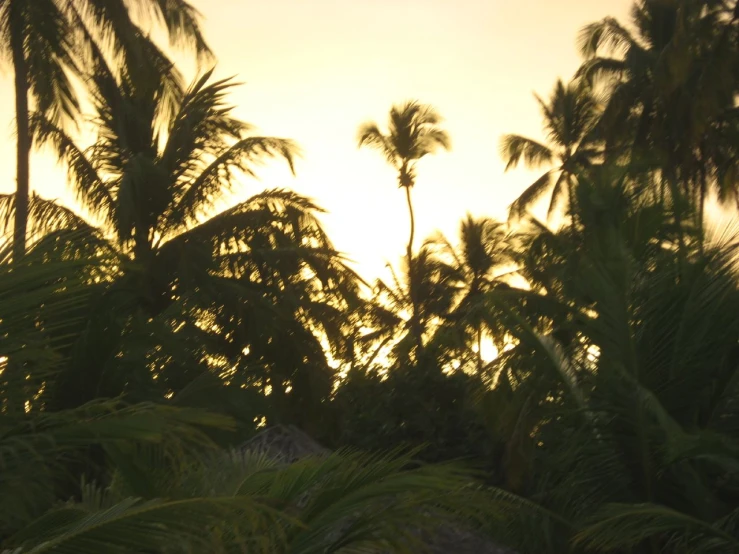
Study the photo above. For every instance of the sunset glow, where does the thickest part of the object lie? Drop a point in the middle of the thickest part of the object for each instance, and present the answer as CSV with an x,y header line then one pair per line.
x,y
314,71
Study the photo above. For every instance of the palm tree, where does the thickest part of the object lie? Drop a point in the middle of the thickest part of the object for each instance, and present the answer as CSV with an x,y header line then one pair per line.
x,y
43,40
478,265
671,83
570,118
225,501
262,273
413,133
431,281
620,389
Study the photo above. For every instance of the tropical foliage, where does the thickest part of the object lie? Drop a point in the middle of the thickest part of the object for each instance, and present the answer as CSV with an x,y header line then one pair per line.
x,y
585,370
47,40
570,118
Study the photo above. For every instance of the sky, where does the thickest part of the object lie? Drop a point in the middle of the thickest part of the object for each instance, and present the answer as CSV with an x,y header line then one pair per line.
x,y
314,70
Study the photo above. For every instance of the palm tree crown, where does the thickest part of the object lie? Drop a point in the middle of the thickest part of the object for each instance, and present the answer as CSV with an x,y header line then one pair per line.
x,y
146,190
570,117
413,132
479,264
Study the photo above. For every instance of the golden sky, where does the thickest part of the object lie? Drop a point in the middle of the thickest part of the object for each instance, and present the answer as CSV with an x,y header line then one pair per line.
x,y
315,69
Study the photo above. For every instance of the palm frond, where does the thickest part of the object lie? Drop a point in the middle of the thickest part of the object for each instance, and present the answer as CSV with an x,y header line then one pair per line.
x,y
112,19
200,124
524,523
218,177
182,22
598,69
45,216
413,133
558,193
261,213
35,447
515,148
434,139
41,300
607,33
518,207
619,526
555,356
134,524
49,53
351,499
370,135
87,182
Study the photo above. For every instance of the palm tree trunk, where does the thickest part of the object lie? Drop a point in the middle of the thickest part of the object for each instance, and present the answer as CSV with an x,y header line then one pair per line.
x,y
16,401
677,207
571,198
415,323
702,206
24,139
409,249
479,350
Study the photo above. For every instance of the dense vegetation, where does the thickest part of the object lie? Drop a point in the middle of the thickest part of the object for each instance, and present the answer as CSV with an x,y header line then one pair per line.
x,y
146,334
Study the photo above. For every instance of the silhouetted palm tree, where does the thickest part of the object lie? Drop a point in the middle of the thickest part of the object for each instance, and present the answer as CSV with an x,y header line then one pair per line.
x,y
671,80
413,133
430,279
142,191
43,40
163,160
570,118
478,265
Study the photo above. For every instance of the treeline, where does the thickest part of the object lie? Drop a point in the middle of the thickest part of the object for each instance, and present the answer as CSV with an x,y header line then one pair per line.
x,y
584,373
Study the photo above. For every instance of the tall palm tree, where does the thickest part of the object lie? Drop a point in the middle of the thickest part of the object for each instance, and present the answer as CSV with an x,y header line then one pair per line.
x,y
570,117
262,273
43,38
413,133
